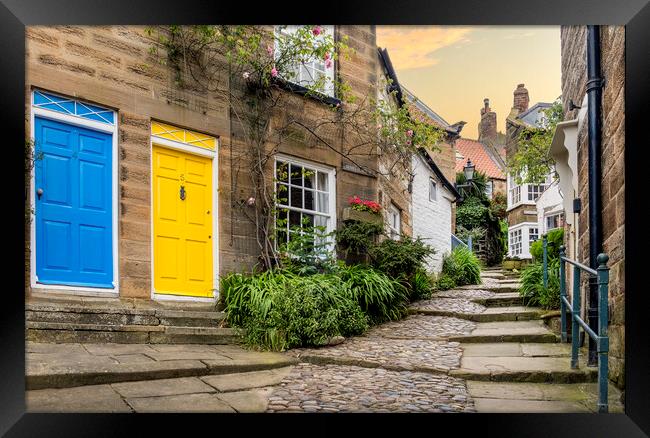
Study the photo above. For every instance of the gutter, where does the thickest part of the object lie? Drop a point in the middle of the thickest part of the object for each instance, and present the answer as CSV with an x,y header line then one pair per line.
x,y
594,127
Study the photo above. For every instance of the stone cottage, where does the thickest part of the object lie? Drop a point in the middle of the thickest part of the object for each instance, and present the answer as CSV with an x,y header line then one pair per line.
x,y
521,198
570,149
141,189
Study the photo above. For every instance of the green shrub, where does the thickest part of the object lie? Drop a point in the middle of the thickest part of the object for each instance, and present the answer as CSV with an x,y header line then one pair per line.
x,y
445,282
381,297
357,237
555,239
462,266
532,285
422,285
278,309
400,258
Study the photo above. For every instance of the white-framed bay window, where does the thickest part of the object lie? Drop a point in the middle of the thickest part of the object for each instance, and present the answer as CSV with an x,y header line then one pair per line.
x,y
525,194
520,237
305,196
313,70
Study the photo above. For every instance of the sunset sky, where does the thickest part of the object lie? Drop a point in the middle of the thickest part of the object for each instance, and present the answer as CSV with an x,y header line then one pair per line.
x,y
453,68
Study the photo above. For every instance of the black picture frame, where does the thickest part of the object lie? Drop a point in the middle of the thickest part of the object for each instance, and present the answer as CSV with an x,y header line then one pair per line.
x,y
635,14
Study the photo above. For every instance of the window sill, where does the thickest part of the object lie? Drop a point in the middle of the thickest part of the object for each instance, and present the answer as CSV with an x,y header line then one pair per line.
x,y
303,91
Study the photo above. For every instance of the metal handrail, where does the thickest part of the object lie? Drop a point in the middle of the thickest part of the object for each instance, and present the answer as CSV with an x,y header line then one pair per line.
x,y
455,241
601,338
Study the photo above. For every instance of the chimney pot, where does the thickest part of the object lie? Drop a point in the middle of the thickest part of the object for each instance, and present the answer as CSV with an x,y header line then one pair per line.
x,y
521,98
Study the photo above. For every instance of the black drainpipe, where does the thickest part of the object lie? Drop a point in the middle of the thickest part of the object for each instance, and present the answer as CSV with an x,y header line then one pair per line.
x,y
594,93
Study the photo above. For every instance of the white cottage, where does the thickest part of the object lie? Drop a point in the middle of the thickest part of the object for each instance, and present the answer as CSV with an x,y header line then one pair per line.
x,y
550,209
432,199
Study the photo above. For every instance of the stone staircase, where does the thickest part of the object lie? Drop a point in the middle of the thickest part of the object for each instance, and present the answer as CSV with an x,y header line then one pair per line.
x,y
514,361
66,319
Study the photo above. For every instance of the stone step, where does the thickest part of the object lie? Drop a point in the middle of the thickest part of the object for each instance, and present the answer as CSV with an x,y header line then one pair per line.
x,y
57,332
47,373
495,275
523,369
117,315
491,314
501,300
497,288
509,331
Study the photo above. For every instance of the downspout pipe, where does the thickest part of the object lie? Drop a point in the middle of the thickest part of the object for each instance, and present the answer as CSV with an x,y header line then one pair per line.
x,y
594,111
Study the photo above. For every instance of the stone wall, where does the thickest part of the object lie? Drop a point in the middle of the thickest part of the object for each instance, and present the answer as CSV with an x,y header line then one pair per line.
x,y
112,66
574,75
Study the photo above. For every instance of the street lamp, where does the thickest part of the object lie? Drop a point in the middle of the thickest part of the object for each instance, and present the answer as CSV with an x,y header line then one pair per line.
x,y
468,170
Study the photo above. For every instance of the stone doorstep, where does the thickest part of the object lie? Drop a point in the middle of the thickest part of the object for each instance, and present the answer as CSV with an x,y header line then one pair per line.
x,y
126,334
504,299
43,375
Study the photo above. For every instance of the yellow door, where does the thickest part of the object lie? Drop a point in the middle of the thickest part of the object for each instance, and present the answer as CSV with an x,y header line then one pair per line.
x,y
182,223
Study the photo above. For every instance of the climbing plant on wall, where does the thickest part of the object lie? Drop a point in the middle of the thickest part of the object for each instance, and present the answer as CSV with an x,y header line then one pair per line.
x,y
255,70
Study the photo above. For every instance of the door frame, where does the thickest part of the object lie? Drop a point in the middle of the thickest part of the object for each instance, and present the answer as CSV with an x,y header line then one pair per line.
x,y
214,156
97,126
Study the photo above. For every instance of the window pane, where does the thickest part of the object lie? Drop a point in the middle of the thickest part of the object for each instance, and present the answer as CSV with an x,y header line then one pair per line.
x,y
323,202
309,200
323,181
307,220
309,177
281,171
296,175
296,197
294,219
282,193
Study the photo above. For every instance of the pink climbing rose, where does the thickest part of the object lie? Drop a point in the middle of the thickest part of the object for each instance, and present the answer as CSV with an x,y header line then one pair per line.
x,y
317,30
408,142
409,133
274,72
269,49
327,56
328,63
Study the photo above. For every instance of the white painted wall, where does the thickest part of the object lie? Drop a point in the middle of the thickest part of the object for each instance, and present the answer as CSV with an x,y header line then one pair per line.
x,y
431,219
548,204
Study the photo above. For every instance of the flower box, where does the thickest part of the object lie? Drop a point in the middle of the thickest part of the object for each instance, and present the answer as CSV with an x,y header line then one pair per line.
x,y
350,214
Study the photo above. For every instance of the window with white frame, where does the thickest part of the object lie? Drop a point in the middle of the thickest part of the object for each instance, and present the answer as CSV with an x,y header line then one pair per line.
x,y
554,221
394,222
305,197
433,190
488,189
313,70
535,190
515,192
533,235
516,246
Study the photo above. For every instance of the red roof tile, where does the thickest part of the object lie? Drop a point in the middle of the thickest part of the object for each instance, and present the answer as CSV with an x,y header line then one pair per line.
x,y
475,151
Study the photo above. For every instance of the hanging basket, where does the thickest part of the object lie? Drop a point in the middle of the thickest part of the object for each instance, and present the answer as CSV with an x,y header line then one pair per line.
x,y
350,214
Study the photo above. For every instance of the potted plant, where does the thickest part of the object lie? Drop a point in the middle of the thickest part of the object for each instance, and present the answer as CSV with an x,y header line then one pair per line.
x,y
362,210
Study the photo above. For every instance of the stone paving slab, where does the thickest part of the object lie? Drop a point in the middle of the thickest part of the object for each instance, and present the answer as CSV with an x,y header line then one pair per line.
x,y
515,349
584,393
252,401
100,398
448,306
249,380
500,405
202,402
162,387
330,388
469,292
91,364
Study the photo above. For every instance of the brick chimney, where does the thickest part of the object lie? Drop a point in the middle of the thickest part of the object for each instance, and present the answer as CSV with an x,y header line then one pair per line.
x,y
521,98
487,127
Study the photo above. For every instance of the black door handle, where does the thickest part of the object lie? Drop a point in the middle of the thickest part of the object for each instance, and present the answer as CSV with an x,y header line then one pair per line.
x,y
182,193
39,192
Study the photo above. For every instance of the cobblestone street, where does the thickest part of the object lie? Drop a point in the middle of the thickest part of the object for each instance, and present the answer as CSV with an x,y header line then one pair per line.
x,y
464,350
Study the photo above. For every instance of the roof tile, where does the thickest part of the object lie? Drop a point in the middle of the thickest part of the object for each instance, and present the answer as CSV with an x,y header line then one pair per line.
x,y
475,151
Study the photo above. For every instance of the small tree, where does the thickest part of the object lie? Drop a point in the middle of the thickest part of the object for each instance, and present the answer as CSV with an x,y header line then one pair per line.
x,y
532,161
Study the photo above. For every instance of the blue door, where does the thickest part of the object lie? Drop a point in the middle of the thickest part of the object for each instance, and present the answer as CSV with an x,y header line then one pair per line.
x,y
73,211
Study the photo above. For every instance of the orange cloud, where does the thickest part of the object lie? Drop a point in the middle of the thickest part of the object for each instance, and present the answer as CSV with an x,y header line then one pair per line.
x,y
413,47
